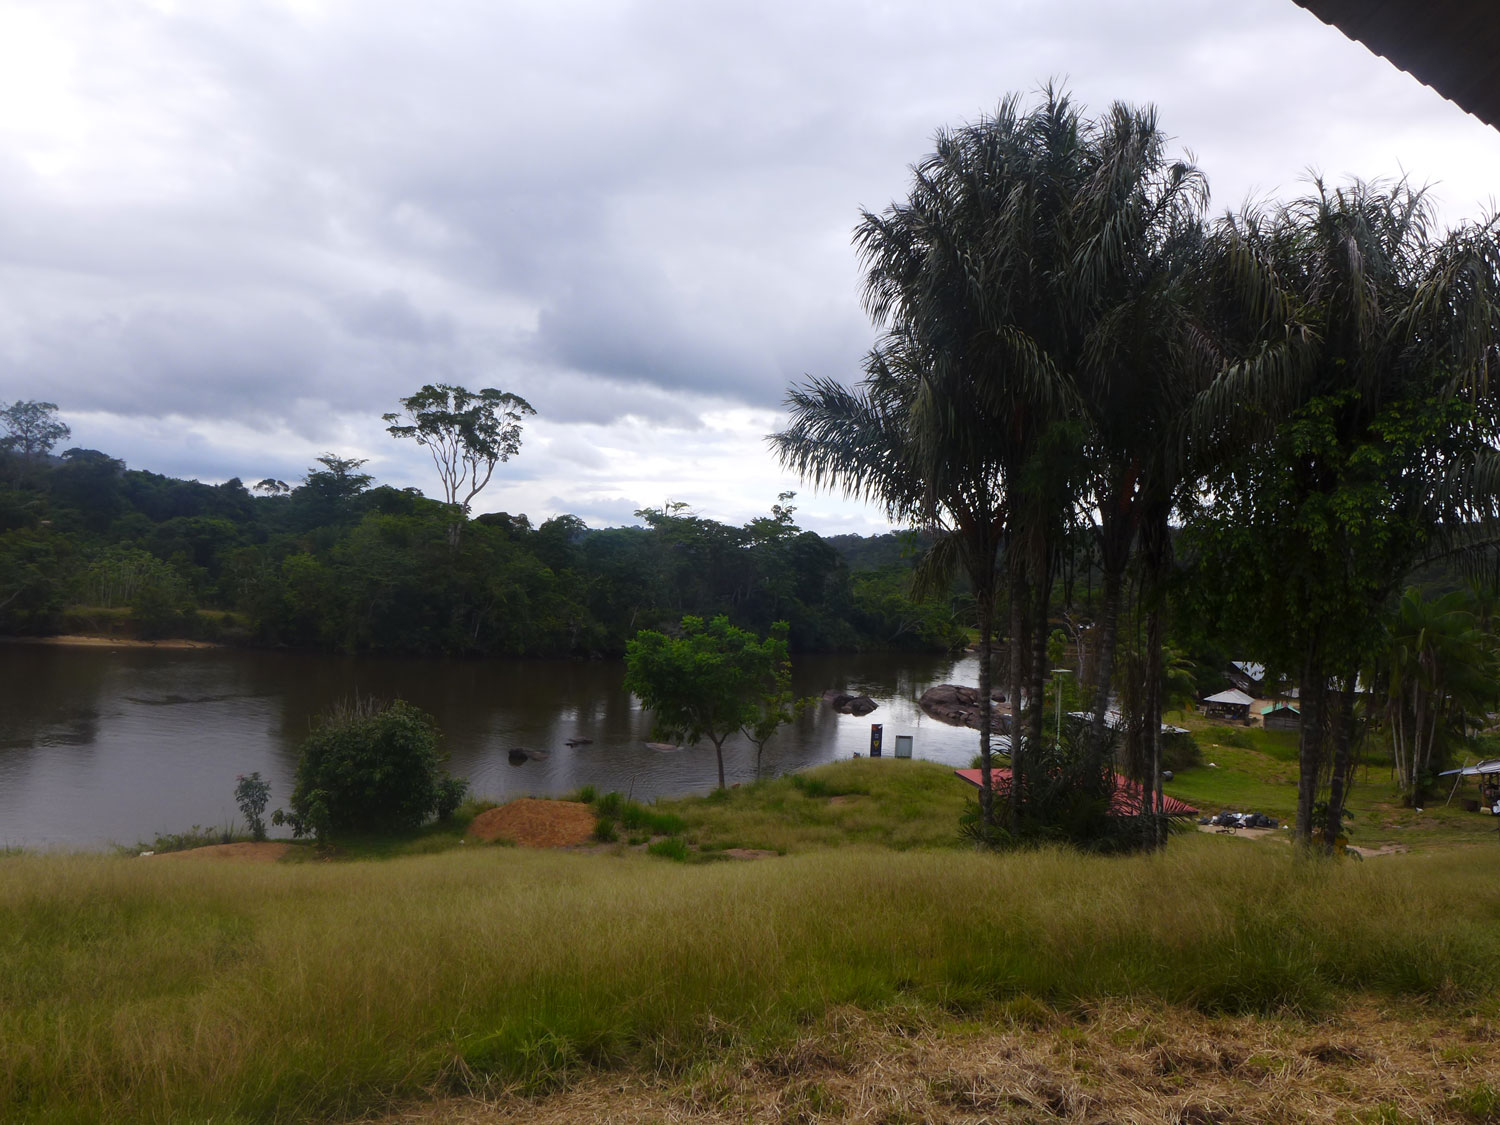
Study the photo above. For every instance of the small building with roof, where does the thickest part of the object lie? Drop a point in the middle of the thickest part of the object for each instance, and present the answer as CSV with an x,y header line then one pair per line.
x,y
1231,704
1282,717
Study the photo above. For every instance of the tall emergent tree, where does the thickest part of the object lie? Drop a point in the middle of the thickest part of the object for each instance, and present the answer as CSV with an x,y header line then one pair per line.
x,y
1360,436
711,681
31,428
468,433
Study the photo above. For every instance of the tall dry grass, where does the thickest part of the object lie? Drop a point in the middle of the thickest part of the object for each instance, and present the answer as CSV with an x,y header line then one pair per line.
x,y
132,989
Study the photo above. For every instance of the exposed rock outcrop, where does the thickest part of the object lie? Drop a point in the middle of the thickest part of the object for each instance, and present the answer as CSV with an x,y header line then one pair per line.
x,y
847,704
960,706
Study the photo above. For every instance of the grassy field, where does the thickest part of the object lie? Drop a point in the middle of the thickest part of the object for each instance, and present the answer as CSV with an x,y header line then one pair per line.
x,y
141,990
893,804
395,975
1255,770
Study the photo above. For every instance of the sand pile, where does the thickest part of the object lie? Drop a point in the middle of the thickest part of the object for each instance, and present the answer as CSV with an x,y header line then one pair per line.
x,y
536,824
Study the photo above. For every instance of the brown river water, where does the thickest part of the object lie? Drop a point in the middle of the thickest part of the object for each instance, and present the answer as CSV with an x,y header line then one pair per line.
x,y
102,746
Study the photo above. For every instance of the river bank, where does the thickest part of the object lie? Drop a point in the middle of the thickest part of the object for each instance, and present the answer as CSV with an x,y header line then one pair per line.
x,y
99,640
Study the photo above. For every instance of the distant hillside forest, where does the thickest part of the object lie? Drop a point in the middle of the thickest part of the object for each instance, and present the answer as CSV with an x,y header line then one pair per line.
x,y
342,563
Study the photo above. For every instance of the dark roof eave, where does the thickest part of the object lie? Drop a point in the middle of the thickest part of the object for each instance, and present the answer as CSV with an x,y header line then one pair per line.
x,y
1452,46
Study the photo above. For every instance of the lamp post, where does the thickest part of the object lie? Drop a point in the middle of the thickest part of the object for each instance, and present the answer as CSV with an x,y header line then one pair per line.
x,y
1057,673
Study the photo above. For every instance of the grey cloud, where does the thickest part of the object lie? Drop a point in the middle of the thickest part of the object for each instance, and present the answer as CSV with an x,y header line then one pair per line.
x,y
391,315
631,211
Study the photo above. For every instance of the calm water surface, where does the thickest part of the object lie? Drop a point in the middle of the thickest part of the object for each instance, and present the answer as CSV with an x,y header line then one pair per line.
x,y
104,746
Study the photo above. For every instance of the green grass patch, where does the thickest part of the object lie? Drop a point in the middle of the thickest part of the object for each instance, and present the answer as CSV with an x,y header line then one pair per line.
x,y
894,803
1255,770
670,848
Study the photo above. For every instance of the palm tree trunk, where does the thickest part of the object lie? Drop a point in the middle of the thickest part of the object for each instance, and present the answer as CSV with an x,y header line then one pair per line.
x,y
1310,742
1153,724
985,600
1018,746
1041,602
1342,716
1109,626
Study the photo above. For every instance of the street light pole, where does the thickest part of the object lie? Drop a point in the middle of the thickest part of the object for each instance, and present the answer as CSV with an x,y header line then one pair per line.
x,y
1057,673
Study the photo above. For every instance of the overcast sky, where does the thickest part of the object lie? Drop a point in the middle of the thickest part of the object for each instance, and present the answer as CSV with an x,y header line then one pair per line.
x,y
233,234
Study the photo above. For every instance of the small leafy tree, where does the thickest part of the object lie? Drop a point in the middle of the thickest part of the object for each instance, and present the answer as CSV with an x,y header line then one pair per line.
x,y
251,792
367,768
711,681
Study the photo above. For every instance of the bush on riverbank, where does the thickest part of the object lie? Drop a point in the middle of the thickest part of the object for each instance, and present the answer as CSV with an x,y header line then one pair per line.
x,y
369,767
131,989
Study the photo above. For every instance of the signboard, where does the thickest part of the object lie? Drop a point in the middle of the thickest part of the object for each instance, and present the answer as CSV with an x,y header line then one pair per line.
x,y
875,729
903,746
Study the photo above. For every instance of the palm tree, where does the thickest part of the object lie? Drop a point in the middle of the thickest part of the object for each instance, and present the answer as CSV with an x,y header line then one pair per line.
x,y
1020,231
1364,434
870,443
1441,666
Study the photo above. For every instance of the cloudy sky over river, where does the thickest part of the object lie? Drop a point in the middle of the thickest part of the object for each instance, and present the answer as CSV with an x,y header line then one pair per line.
x,y
233,234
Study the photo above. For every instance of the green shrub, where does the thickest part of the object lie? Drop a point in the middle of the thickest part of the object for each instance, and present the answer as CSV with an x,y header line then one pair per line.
x,y
195,837
251,792
367,768
636,817
1180,752
821,787
673,848
609,804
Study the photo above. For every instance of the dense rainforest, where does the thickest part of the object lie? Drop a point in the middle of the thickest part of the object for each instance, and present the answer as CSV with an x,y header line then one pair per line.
x,y
339,562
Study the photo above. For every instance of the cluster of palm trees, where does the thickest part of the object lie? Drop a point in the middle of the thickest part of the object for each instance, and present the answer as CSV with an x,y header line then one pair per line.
x,y
1070,348
1438,673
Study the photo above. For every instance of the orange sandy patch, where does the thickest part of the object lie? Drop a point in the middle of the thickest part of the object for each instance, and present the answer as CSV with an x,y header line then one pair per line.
x,y
80,641
267,851
536,824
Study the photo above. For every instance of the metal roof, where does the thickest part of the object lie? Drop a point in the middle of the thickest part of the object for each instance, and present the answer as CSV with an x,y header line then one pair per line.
x,y
1250,668
1490,765
1233,696
1451,45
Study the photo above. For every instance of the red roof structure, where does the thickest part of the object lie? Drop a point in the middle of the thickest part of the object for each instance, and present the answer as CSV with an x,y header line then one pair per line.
x,y
1126,801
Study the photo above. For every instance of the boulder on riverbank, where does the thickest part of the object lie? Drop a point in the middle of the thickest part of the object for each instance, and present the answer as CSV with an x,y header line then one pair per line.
x,y
847,704
960,706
